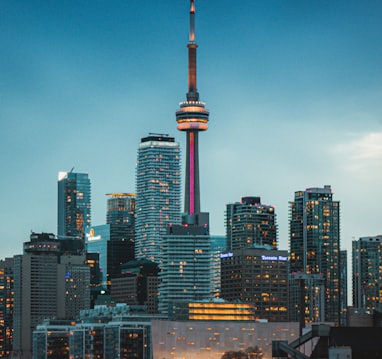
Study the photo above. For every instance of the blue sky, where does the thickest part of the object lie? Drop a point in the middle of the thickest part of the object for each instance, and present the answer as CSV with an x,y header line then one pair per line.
x,y
294,90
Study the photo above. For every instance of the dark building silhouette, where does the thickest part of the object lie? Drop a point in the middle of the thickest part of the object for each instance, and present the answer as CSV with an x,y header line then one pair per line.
x,y
258,276
137,285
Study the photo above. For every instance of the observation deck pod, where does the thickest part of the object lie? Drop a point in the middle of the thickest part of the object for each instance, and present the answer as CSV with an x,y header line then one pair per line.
x,y
192,116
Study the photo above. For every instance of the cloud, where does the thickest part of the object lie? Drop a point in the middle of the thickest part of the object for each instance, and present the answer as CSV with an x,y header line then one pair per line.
x,y
361,153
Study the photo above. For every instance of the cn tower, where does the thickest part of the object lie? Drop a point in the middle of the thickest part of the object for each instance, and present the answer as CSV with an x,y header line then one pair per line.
x,y
192,117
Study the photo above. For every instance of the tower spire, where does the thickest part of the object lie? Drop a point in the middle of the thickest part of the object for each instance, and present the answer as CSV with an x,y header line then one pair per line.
x,y
192,94
192,117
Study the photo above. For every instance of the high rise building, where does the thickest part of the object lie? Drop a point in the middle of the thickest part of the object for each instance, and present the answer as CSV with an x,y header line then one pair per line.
x,y
185,266
367,274
258,276
74,198
185,249
250,224
158,193
6,307
49,282
315,254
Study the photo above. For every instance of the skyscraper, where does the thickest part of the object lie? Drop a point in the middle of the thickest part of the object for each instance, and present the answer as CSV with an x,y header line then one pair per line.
x,y
315,254
185,249
49,282
367,275
74,198
250,224
158,192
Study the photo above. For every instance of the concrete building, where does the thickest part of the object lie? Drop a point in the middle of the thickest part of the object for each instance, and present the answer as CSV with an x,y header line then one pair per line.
x,y
49,282
258,276
158,193
137,285
211,339
315,251
250,223
74,205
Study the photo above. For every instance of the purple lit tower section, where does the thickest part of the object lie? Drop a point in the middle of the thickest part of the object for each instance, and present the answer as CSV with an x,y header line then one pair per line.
x,y
192,117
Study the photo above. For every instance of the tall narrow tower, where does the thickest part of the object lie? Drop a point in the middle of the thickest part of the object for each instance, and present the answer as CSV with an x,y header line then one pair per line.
x,y
185,249
315,255
192,117
74,200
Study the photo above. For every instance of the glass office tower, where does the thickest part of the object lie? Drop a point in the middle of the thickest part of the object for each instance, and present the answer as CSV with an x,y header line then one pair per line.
x,y
74,198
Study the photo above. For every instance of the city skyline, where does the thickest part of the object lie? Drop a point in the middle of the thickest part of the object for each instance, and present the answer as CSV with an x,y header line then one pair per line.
x,y
294,94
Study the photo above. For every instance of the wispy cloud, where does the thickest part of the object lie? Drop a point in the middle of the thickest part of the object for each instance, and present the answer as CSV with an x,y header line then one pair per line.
x,y
361,153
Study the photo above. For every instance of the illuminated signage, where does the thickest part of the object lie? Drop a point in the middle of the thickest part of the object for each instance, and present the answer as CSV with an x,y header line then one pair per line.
x,y
274,258
91,237
226,255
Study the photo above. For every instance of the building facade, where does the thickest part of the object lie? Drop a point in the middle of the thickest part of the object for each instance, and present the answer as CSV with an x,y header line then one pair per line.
x,y
367,272
258,276
49,282
138,285
158,193
250,223
195,339
74,205
6,307
185,266
343,286
121,217
217,247
315,250
211,310
122,339
112,252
